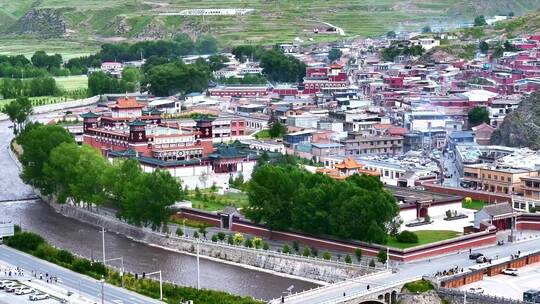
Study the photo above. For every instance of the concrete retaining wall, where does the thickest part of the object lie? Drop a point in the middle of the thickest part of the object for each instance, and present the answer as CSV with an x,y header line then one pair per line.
x,y
311,269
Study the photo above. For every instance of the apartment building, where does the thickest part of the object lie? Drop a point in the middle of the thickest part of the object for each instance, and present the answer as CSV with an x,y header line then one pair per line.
x,y
359,144
497,179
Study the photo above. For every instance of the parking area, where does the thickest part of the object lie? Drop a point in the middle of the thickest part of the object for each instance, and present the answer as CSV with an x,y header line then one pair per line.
x,y
510,286
14,298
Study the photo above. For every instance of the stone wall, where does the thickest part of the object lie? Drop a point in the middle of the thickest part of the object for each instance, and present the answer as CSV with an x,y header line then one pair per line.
x,y
430,297
307,268
456,297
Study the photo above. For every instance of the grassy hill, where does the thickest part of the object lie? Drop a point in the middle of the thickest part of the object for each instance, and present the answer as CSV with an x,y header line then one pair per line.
x,y
90,22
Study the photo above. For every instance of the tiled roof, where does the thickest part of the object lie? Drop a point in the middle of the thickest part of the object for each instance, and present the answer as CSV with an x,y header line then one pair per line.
x,y
498,209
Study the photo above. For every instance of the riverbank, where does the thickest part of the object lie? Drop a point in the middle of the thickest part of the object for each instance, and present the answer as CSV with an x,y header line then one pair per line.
x,y
311,270
36,246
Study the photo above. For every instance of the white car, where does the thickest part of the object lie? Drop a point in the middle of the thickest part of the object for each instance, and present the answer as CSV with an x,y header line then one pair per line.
x,y
510,271
24,291
3,283
476,290
38,296
13,288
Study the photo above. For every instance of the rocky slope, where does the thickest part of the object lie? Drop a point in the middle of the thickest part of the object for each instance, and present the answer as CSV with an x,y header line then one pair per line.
x,y
41,22
521,128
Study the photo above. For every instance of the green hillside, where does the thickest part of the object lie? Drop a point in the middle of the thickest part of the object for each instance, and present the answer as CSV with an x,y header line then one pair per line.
x,y
88,22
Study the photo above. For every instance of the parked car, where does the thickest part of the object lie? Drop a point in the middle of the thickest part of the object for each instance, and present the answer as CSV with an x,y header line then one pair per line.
x,y
38,297
476,290
3,283
483,259
474,256
24,291
510,271
13,288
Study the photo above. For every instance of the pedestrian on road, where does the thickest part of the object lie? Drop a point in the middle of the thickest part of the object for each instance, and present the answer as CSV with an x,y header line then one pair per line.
x,y
343,294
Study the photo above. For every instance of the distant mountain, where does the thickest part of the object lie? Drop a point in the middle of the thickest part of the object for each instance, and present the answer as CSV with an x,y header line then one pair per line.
x,y
271,21
521,128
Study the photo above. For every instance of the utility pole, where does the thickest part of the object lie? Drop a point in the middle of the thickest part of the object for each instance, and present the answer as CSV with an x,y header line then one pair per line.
x,y
103,243
465,297
121,268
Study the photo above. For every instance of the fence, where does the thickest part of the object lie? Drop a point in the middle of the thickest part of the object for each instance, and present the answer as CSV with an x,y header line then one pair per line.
x,y
474,298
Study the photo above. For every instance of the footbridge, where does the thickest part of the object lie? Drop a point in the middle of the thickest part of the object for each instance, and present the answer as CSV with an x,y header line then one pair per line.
x,y
368,289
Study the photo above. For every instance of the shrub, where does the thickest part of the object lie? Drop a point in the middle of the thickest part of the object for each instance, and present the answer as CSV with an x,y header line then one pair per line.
x,y
248,243
358,254
195,234
306,252
327,255
81,265
45,251
407,237
419,286
65,256
221,236
179,231
230,239
381,256
214,238
265,246
25,241
372,263
296,246
238,238
257,242
286,249
314,251
348,259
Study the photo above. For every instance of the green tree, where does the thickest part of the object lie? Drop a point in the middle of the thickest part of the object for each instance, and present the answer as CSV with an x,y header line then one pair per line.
x,y
334,55
372,263
282,68
265,246
206,44
37,145
480,20
358,254
177,77
230,239
179,231
184,43
426,29
381,256
484,47
477,116
221,236
348,259
407,237
306,252
214,238
18,112
277,130
391,35
327,255
195,234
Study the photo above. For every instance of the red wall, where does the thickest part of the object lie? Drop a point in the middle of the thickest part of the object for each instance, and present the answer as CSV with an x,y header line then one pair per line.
x,y
474,194
422,252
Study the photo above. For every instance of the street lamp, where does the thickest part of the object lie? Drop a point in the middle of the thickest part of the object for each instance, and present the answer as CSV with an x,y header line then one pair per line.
x,y
160,283
103,243
121,267
102,290
198,269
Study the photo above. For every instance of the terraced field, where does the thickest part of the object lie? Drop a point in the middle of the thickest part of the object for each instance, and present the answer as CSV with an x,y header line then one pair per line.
x,y
273,21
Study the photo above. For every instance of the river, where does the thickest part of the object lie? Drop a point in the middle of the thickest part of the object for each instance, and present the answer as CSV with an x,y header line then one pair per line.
x,y
85,240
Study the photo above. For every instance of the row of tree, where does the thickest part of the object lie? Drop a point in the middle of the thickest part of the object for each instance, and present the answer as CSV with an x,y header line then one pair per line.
x,y
391,52
39,86
276,65
181,45
39,65
287,197
57,166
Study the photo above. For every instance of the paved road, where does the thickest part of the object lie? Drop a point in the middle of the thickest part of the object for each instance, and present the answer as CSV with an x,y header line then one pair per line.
x,y
75,282
411,271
